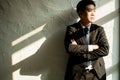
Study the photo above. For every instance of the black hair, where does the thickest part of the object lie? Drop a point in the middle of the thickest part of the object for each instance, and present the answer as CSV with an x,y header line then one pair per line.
x,y
81,6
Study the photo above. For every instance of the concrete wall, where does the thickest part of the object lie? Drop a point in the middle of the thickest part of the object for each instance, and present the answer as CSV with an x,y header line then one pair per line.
x,y
32,34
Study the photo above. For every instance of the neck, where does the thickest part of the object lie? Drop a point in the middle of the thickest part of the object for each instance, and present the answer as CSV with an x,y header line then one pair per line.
x,y
86,24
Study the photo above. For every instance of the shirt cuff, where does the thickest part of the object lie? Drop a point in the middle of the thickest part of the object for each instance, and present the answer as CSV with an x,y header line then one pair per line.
x,y
90,48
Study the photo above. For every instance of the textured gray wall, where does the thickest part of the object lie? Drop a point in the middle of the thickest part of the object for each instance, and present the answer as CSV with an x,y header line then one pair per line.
x,y
32,35
19,18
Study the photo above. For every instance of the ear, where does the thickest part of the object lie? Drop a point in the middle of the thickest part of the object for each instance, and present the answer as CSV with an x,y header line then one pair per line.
x,y
80,13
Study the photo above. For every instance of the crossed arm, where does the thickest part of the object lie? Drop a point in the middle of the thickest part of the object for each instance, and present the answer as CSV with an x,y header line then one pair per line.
x,y
89,52
90,47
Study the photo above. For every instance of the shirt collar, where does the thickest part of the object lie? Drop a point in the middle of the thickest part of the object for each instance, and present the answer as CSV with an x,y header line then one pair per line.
x,y
85,27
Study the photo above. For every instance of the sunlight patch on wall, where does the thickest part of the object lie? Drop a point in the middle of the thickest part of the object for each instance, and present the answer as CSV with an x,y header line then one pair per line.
x,y
109,27
105,9
109,77
27,51
16,76
24,37
105,15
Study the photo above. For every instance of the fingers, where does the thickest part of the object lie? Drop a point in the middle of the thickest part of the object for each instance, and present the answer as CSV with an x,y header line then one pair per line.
x,y
73,42
95,46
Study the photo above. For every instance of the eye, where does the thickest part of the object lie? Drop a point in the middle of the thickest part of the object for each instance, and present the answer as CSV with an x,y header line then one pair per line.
x,y
91,10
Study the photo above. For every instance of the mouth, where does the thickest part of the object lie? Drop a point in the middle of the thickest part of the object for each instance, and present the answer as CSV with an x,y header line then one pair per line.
x,y
92,18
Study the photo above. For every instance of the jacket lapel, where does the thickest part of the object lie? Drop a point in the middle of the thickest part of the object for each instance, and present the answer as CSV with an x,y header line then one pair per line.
x,y
92,33
82,35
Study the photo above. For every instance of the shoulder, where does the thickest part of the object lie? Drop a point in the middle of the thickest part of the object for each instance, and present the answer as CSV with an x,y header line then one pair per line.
x,y
73,27
97,27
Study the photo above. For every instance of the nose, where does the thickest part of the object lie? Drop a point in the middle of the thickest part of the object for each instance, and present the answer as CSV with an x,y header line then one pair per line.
x,y
93,13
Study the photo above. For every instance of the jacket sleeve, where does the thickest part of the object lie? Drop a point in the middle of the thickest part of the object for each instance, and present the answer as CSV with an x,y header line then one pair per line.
x,y
77,50
103,49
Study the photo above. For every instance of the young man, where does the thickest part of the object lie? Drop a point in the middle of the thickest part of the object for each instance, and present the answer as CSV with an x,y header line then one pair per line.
x,y
86,44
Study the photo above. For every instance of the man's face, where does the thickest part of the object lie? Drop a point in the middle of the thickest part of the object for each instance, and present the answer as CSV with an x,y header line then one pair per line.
x,y
89,14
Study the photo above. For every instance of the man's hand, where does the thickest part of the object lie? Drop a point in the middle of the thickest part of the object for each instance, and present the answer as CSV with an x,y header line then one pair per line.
x,y
93,47
73,42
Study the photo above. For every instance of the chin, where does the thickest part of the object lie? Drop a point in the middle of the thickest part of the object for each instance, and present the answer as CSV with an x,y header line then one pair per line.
x,y
91,21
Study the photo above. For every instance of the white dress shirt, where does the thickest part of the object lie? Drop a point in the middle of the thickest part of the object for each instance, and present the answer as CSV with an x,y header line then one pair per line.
x,y
89,63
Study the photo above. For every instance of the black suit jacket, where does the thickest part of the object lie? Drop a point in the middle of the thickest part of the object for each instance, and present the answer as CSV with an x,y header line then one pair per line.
x,y
79,54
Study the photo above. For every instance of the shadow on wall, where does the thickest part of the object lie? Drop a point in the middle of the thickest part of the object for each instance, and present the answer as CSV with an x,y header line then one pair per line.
x,y
51,59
